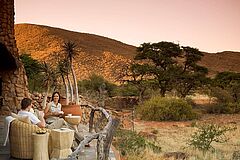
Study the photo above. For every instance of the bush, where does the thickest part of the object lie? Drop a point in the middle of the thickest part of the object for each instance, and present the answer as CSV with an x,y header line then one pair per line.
x,y
97,84
225,108
122,102
129,142
206,134
126,90
159,108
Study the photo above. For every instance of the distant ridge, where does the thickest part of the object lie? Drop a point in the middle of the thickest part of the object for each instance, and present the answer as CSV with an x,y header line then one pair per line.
x,y
89,43
221,61
99,54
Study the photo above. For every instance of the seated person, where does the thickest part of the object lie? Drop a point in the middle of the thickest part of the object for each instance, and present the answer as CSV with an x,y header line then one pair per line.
x,y
26,106
53,109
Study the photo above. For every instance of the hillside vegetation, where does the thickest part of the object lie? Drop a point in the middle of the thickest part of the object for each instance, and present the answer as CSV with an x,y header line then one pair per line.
x,y
99,54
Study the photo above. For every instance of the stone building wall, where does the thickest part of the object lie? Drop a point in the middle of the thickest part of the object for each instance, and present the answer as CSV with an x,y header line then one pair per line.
x,y
14,80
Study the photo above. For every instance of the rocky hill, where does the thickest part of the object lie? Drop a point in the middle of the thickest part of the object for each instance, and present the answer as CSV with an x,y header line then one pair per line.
x,y
98,54
222,61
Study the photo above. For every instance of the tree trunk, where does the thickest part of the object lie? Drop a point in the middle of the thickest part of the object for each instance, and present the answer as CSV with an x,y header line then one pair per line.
x,y
75,84
162,92
66,89
71,89
141,92
44,102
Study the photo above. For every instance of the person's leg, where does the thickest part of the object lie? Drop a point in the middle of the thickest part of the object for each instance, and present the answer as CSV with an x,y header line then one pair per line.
x,y
57,124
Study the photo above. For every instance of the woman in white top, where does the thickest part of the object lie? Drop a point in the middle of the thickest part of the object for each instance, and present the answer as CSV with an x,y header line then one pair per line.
x,y
53,109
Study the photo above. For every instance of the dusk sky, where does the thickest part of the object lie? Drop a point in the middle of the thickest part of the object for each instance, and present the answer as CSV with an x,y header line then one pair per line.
x,y
209,25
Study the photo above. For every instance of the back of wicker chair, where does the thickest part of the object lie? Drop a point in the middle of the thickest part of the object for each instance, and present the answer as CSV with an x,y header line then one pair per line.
x,y
20,137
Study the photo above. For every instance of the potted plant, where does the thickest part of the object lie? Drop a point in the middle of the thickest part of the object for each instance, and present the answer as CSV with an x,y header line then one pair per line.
x,y
66,69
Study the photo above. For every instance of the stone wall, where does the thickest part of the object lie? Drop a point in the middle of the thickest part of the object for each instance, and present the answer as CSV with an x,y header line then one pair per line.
x,y
14,81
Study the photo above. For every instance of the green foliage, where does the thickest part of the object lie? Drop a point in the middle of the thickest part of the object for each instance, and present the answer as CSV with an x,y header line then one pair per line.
x,y
135,81
70,50
206,134
32,66
169,66
96,83
190,75
63,67
224,108
162,62
40,75
222,95
162,108
129,142
49,75
230,82
225,87
126,90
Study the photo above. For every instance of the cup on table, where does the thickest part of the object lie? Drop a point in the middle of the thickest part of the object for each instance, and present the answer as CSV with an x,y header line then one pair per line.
x,y
61,112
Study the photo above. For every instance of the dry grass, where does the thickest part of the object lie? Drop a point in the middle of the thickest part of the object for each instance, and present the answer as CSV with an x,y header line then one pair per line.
x,y
173,136
146,155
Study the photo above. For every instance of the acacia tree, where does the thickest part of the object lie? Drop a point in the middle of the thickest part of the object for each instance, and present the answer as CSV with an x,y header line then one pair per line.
x,y
161,63
191,75
69,49
172,66
137,75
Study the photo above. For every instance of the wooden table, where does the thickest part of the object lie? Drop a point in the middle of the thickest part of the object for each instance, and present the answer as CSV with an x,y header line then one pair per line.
x,y
40,146
62,140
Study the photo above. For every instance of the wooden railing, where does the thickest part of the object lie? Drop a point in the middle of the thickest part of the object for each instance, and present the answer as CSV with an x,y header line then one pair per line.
x,y
104,137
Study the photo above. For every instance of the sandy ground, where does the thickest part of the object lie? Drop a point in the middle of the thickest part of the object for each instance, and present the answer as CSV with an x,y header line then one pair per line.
x,y
173,136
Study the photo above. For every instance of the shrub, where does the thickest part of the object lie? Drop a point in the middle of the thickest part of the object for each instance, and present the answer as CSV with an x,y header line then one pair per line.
x,y
159,108
126,90
129,142
224,108
96,83
206,134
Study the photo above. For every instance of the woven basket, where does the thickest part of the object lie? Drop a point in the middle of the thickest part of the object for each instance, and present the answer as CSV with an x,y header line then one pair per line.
x,y
20,137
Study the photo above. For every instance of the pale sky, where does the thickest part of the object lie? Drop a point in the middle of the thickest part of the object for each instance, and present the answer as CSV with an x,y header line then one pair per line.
x,y
209,25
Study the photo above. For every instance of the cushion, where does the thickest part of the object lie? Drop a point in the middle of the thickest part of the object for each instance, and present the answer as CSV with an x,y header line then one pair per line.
x,y
24,119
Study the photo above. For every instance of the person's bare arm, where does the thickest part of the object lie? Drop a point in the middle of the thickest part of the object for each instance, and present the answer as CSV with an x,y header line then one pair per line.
x,y
47,112
42,123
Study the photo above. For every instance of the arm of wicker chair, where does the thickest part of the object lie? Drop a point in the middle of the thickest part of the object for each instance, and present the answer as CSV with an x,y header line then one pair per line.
x,y
21,145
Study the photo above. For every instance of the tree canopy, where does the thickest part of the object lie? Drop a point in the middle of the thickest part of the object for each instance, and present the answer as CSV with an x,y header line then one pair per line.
x,y
171,66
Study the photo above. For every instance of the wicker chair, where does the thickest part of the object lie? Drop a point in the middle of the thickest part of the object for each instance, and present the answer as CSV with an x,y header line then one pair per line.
x,y
20,137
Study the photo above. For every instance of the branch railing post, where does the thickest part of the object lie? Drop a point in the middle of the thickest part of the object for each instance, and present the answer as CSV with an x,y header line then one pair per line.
x,y
104,137
109,137
91,120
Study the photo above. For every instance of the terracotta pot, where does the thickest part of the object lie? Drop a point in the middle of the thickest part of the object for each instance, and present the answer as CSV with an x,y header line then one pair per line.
x,y
75,110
